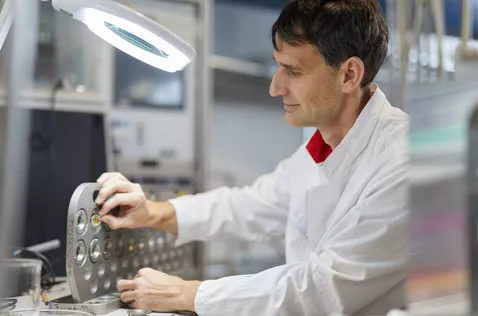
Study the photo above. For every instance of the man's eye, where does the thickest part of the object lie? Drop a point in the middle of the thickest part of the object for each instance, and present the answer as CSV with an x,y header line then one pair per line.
x,y
292,73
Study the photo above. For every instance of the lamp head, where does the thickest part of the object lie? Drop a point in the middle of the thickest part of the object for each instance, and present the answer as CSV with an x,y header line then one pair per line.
x,y
131,32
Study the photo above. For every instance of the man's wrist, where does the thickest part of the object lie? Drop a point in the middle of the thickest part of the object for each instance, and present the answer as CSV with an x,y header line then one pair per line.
x,y
162,216
188,295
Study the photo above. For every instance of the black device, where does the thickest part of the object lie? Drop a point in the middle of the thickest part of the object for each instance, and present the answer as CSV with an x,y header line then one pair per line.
x,y
66,149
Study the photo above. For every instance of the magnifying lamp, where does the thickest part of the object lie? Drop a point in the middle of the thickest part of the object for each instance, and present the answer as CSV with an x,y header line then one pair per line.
x,y
122,27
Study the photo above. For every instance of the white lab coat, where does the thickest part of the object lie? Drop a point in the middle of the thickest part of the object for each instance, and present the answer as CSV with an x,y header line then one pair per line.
x,y
344,221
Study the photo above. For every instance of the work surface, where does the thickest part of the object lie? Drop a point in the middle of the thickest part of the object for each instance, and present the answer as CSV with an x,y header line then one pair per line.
x,y
450,306
61,290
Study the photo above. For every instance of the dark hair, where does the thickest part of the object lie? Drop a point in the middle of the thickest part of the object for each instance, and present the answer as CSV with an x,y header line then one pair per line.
x,y
339,29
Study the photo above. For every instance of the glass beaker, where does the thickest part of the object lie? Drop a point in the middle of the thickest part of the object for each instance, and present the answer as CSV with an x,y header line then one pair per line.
x,y
22,280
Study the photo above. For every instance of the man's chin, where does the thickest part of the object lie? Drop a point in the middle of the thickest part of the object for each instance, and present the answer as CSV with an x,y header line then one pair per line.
x,y
292,121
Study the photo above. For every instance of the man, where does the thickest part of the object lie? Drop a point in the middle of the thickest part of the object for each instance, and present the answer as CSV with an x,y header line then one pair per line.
x,y
340,200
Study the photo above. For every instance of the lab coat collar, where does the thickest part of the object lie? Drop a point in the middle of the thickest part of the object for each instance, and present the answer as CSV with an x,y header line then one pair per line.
x,y
356,139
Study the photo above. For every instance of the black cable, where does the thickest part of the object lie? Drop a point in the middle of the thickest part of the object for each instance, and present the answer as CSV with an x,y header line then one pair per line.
x,y
7,304
49,279
39,140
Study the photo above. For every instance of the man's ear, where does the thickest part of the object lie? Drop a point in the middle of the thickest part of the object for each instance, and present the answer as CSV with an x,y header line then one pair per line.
x,y
353,71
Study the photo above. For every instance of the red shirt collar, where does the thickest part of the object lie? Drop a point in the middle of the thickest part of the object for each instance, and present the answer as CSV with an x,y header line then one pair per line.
x,y
317,148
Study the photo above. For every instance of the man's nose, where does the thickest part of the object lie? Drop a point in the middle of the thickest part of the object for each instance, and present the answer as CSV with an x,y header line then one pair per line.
x,y
277,87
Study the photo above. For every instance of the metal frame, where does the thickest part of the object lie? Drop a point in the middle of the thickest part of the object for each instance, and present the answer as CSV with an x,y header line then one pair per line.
x,y
16,129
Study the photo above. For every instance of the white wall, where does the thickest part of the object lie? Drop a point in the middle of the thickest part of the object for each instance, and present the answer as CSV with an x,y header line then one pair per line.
x,y
250,139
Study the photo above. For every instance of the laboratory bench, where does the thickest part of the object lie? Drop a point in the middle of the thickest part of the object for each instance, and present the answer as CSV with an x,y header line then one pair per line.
x,y
62,289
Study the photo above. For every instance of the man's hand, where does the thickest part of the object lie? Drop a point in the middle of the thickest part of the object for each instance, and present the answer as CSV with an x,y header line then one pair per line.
x,y
157,291
136,210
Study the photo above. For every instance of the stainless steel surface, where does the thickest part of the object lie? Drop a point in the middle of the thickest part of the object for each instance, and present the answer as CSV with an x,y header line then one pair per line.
x,y
100,306
97,257
36,312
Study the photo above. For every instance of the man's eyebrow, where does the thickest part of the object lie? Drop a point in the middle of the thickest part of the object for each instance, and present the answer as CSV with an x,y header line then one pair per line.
x,y
285,65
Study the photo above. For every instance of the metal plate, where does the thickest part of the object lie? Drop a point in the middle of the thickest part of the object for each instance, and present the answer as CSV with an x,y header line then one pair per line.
x,y
97,257
100,306
36,312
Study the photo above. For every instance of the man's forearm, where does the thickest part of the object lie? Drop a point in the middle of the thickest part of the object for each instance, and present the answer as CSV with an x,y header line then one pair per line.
x,y
163,216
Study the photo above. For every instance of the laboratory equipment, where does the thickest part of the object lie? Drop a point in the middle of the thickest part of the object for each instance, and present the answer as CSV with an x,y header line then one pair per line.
x,y
137,312
98,257
43,247
23,278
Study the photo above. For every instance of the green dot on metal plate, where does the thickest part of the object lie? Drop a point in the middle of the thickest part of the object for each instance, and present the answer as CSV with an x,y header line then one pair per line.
x,y
136,41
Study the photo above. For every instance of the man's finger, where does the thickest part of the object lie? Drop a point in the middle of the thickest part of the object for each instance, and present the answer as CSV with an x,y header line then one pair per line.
x,y
111,187
126,285
115,222
128,296
108,175
131,199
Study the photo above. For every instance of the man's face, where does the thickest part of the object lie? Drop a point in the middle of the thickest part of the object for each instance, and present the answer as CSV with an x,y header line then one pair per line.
x,y
309,88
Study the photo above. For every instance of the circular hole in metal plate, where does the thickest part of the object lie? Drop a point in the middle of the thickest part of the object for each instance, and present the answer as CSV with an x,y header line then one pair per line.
x,y
107,286
87,272
108,248
141,245
120,246
160,242
130,276
106,227
164,256
101,269
176,265
125,264
80,253
151,243
114,266
95,251
146,262
156,259
95,223
131,244
95,195
93,286
167,267
170,237
136,262
81,221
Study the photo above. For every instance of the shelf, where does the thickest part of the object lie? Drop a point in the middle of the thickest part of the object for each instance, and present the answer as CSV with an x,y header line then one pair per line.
x,y
241,81
240,67
40,99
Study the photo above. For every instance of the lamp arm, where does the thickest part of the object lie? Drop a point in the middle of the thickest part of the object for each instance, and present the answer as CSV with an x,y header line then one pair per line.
x,y
7,15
